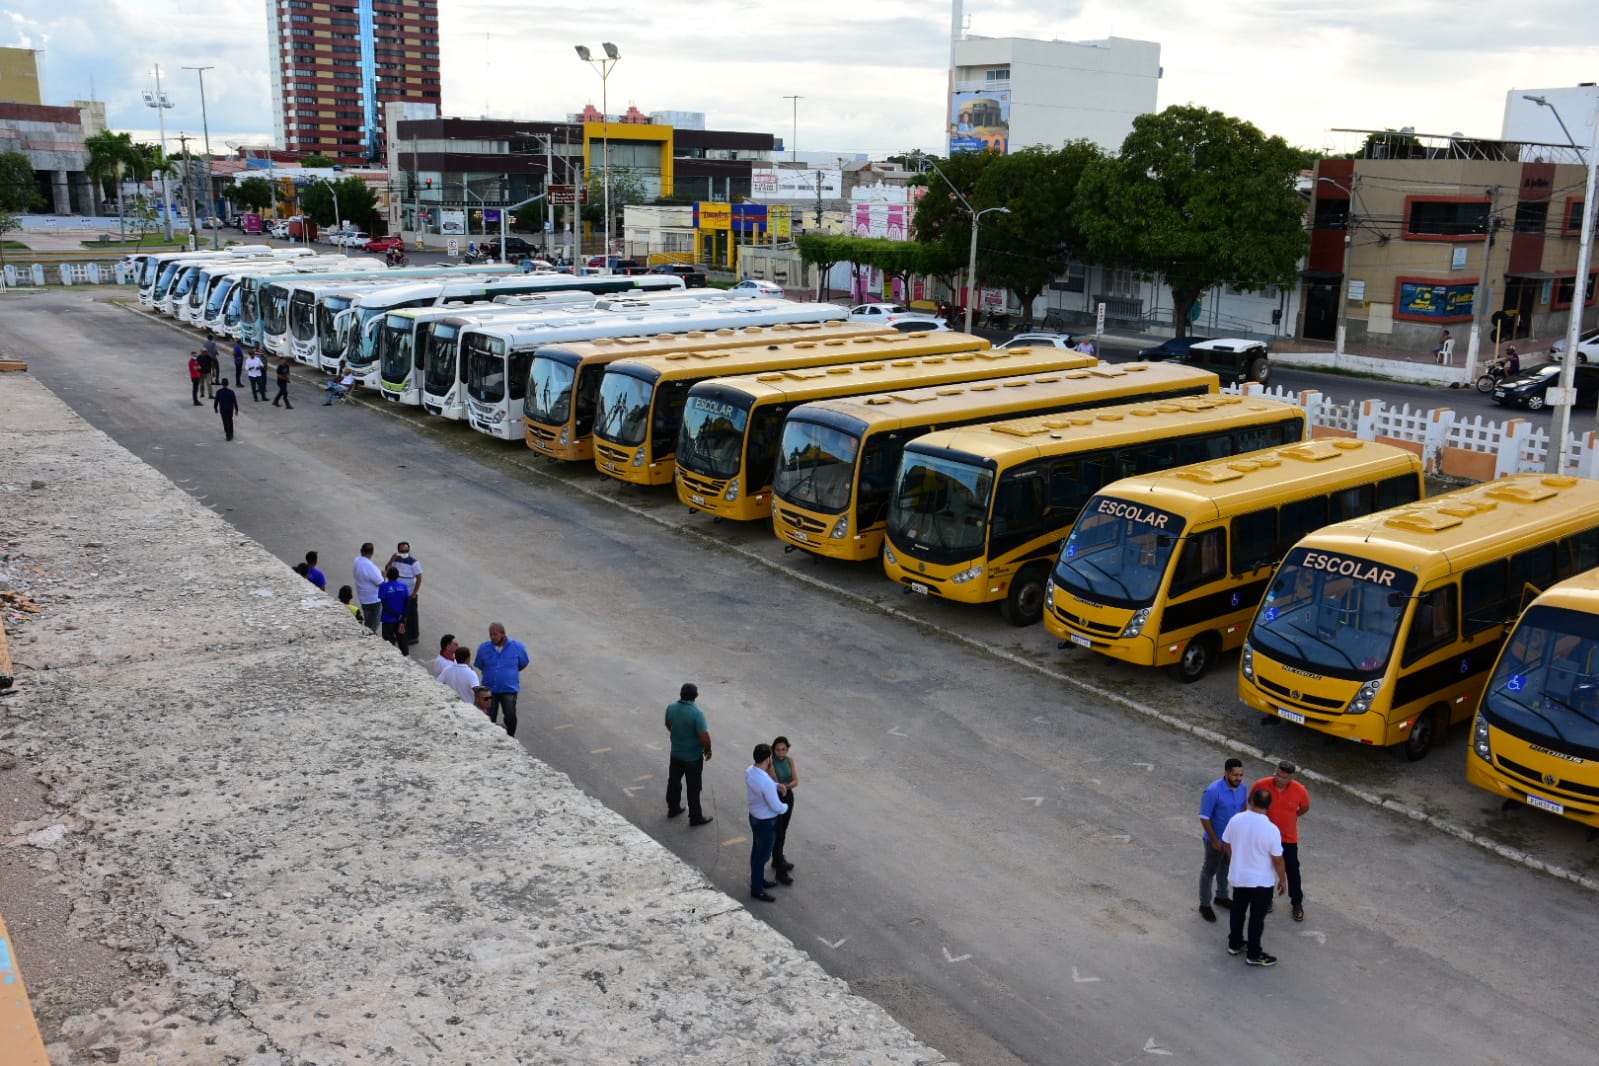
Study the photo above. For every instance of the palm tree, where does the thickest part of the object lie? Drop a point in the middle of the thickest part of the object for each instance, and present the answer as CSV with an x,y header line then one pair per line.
x,y
110,155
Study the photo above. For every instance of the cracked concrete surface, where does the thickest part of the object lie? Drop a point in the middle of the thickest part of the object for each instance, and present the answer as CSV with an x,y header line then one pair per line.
x,y
301,849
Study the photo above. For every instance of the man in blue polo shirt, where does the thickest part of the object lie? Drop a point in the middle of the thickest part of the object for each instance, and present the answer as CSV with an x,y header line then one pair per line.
x,y
502,661
393,596
1225,797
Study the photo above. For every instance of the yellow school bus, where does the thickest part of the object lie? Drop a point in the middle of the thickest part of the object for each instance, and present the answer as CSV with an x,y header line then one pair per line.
x,y
1166,569
1535,739
978,514
640,407
564,381
727,446
1382,630
837,458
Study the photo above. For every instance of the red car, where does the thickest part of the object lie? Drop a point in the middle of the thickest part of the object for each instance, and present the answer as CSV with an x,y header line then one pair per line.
x,y
391,243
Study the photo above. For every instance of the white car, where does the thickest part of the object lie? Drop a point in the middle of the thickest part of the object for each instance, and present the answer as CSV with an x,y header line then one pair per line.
x,y
1587,347
1042,340
920,324
357,240
756,285
280,229
883,314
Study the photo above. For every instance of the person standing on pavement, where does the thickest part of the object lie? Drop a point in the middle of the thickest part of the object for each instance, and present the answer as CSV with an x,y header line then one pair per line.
x,y
367,579
1223,799
446,656
1255,856
392,594
312,574
460,676
785,773
411,574
208,373
283,384
765,797
690,751
217,376
255,370
194,378
238,364
226,404
1290,801
502,661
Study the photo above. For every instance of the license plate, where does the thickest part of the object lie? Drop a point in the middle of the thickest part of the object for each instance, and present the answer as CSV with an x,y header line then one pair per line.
x,y
698,501
1545,805
1292,716
919,589
1080,640
797,535
611,467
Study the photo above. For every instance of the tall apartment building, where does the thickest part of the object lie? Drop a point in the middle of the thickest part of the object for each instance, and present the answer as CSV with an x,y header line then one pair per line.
x,y
336,63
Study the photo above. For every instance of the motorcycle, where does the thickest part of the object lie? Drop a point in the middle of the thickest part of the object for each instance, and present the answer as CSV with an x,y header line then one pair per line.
x,y
1497,371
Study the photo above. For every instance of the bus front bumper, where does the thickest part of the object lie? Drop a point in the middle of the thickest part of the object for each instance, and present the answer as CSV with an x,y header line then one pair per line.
x,y
1369,728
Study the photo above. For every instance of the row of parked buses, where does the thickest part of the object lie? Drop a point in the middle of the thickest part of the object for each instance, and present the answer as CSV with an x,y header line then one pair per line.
x,y
1135,509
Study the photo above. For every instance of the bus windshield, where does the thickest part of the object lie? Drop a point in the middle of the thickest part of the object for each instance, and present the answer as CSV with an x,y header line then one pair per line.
x,y
185,282
396,347
1118,552
230,312
219,296
163,281
1333,614
942,503
302,315
816,465
485,367
275,310
624,410
711,439
549,399
359,343
438,358
1545,689
329,340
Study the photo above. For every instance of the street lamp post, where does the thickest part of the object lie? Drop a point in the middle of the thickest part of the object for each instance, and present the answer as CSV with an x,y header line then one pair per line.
x,y
1579,288
604,67
338,219
971,260
160,101
793,144
205,129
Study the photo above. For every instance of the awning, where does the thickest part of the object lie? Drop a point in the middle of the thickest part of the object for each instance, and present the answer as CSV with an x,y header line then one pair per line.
x,y
1534,275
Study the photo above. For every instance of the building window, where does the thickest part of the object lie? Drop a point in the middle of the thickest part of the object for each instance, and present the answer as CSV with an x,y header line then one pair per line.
x,y
1122,283
1572,225
1532,216
997,74
1331,214
1445,218
1560,299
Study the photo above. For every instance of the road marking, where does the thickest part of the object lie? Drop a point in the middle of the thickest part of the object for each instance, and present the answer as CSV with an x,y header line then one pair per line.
x,y
1124,838
1080,979
1036,801
631,790
1149,768
1321,937
598,751
643,777
566,725
895,732
1152,1048
954,958
834,944
730,841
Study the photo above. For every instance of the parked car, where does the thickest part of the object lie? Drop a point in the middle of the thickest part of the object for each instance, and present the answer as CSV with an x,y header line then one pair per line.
x,y
280,228
387,243
765,288
1233,359
1529,389
1170,348
693,277
1587,347
356,240
883,314
517,246
920,324
1042,340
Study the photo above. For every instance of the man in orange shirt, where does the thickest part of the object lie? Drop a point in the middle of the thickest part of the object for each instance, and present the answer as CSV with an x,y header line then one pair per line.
x,y
1289,801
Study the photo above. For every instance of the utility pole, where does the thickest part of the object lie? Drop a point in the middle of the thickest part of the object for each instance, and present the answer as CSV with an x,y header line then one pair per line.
x,y
205,126
793,144
1484,294
188,188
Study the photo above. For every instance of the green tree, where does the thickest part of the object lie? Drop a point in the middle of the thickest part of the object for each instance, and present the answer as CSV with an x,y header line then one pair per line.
x,y
1200,197
111,155
941,218
9,223
1026,249
356,202
824,251
253,194
626,188
19,191
319,162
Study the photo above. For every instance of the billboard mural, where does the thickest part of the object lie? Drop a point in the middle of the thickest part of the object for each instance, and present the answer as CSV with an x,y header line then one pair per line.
x,y
774,184
979,120
1430,300
881,220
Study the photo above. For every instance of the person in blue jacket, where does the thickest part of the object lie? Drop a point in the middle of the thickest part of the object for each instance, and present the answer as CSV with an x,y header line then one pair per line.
x,y
502,661
395,598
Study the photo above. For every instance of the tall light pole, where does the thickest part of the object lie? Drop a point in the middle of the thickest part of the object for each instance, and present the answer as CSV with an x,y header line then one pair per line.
x,y
1579,286
205,129
793,144
971,260
161,102
338,219
604,66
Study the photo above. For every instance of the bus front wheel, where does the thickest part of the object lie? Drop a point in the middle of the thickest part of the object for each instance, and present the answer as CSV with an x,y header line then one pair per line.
x,y
1198,656
1425,734
1024,605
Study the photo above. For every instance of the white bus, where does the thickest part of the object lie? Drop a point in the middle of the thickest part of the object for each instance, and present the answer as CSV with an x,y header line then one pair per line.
x,y
496,363
206,307
149,268
182,276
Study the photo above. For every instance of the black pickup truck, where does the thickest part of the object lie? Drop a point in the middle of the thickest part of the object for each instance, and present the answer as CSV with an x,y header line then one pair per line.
x,y
693,277
514,246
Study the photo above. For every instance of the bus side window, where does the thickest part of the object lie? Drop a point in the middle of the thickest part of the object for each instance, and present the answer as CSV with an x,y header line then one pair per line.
x,y
1485,597
587,398
1534,567
761,462
1254,540
1298,518
670,399
1584,550
1150,458
1434,624
1351,503
1397,490
1018,509
1203,559
877,481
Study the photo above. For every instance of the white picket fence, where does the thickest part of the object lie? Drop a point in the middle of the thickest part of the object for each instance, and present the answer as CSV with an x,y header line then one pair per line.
x,y
1516,445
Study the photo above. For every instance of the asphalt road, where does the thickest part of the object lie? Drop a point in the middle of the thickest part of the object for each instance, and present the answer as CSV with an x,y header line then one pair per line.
x,y
995,840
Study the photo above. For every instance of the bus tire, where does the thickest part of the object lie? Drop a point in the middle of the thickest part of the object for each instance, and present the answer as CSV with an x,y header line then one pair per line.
x,y
1199,655
1426,734
1024,604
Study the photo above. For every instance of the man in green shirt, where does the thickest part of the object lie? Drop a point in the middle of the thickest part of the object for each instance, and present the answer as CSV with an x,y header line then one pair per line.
x,y
691,750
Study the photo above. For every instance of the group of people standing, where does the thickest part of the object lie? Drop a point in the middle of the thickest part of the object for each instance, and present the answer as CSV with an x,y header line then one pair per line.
x,y
207,377
494,684
1251,849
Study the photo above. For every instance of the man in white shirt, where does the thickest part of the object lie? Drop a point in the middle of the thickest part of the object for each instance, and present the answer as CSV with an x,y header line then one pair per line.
x,y
255,370
766,807
410,568
446,656
367,579
460,676
1255,865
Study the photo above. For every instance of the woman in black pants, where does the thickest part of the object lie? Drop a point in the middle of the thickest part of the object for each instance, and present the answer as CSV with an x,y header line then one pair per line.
x,y
787,774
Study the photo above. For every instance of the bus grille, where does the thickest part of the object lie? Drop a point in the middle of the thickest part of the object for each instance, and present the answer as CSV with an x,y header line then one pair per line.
x,y
540,432
702,485
615,455
803,523
1084,624
1531,776
1325,706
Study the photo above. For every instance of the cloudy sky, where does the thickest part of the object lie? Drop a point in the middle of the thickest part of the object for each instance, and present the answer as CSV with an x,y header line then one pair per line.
x,y
873,75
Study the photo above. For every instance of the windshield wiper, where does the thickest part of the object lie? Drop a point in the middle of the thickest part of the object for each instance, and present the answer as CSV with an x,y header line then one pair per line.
x,y
1126,592
1550,722
1324,641
1570,707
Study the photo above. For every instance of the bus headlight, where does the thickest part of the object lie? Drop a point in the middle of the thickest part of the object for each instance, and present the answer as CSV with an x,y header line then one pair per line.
x,y
1136,625
968,574
566,435
732,491
499,416
638,457
841,531
1479,739
1049,594
1362,701
1246,661
889,556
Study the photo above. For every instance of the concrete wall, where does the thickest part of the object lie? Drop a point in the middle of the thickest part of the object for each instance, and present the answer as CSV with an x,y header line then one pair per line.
x,y
302,849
